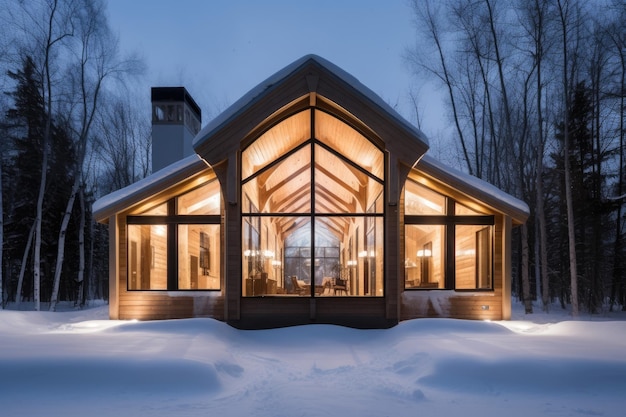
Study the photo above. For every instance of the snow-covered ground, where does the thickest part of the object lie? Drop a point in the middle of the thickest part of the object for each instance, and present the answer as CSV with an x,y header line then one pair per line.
x,y
78,363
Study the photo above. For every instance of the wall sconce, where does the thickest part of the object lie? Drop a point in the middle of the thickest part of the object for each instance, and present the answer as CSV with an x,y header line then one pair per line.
x,y
424,253
276,264
408,263
352,263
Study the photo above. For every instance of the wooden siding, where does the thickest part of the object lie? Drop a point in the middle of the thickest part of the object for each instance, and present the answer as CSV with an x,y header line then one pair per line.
x,y
149,305
450,304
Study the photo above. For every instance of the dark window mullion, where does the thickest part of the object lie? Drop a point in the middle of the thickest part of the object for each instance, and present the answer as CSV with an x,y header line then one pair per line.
x,y
474,220
175,219
313,206
450,220
172,252
349,162
276,162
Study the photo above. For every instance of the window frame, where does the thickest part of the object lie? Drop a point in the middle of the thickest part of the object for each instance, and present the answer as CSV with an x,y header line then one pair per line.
x,y
171,221
449,221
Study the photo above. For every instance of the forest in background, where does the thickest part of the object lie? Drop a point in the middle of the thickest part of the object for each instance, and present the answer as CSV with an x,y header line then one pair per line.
x,y
71,132
535,94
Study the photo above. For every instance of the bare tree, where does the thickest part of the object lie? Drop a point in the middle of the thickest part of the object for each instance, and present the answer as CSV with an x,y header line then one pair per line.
x,y
429,21
537,16
533,47
123,143
565,11
45,27
616,34
97,60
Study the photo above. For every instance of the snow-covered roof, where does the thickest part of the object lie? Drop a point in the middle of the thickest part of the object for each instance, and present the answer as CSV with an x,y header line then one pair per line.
x,y
261,89
165,178
475,188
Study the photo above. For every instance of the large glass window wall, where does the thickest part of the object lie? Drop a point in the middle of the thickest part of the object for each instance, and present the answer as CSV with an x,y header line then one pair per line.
x,y
312,210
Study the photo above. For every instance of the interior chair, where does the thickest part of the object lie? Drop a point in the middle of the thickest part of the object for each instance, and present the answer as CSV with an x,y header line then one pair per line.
x,y
340,285
298,288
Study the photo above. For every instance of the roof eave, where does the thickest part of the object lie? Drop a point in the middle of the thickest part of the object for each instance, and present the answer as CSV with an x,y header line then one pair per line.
x,y
476,188
124,198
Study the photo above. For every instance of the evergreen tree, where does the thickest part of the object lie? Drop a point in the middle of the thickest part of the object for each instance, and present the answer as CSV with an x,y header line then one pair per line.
x,y
590,212
26,119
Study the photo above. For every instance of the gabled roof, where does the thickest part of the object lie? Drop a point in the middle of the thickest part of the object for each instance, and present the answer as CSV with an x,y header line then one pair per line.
x,y
309,74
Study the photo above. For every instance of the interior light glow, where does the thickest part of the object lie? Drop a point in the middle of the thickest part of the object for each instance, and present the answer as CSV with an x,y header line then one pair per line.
x,y
209,201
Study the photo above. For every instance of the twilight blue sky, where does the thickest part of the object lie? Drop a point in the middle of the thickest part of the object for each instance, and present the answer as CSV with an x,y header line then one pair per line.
x,y
220,49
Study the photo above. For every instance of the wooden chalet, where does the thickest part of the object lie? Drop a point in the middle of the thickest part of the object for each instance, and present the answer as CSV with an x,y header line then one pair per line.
x,y
309,200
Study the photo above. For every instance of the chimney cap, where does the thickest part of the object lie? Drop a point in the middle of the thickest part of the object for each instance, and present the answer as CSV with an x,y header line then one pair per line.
x,y
179,94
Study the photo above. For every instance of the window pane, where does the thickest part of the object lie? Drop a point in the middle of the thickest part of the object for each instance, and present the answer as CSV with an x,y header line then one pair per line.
x,y
473,263
268,260
461,210
424,256
348,256
202,200
198,257
283,188
147,257
373,261
160,210
330,277
419,200
340,187
349,142
276,142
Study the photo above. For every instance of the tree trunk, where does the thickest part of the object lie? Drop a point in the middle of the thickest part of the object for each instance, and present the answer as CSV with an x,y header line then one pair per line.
x,y
1,239
571,230
38,216
54,298
618,284
47,82
540,214
528,302
20,280
543,240
80,300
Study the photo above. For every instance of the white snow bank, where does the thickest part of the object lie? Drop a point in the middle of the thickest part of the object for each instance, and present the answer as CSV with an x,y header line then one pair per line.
x,y
75,363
